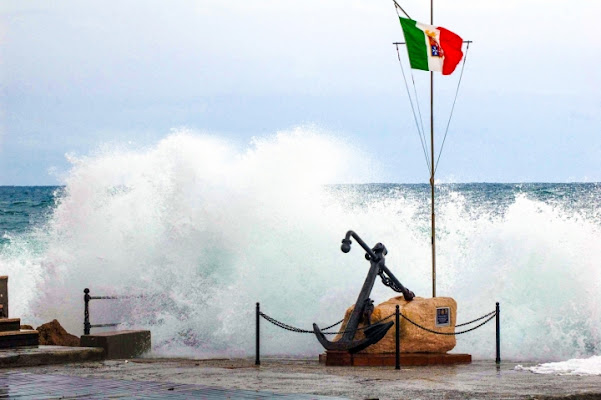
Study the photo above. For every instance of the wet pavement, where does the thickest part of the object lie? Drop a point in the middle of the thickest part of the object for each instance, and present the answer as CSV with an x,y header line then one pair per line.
x,y
299,378
22,385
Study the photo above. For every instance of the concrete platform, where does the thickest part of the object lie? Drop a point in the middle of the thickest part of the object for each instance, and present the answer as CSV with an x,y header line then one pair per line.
x,y
345,359
45,355
119,344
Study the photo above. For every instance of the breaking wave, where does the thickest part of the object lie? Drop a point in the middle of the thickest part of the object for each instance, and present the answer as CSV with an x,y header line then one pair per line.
x,y
204,229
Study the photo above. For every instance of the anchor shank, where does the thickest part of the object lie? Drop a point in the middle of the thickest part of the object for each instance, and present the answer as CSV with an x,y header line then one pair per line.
x,y
368,285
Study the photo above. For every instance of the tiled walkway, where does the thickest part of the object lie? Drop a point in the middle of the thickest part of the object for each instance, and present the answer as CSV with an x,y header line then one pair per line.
x,y
21,385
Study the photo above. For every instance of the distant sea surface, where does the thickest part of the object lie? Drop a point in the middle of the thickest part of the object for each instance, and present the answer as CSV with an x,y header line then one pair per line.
x,y
24,207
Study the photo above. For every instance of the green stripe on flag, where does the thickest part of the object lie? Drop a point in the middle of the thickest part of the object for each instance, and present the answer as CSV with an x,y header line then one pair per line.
x,y
416,44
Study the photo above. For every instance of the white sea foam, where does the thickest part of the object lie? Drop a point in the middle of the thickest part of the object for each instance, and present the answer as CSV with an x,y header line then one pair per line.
x,y
205,230
577,366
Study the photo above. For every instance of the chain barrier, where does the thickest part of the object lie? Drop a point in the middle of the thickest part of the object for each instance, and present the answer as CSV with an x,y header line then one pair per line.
x,y
494,313
291,328
333,325
475,320
298,330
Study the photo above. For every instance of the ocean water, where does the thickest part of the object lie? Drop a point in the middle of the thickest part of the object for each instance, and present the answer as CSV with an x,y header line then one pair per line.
x,y
203,229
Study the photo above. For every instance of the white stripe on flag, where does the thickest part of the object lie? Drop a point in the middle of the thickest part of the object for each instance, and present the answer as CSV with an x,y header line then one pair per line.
x,y
434,62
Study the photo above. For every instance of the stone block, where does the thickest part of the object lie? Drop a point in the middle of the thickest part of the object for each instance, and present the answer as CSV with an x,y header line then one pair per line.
x,y
413,339
10,324
12,339
119,344
53,334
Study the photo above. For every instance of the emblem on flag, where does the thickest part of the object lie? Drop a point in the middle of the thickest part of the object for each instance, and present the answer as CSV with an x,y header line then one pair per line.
x,y
435,48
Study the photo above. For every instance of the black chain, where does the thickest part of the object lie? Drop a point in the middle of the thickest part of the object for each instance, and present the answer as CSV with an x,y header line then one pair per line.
x,y
283,325
449,333
141,296
291,328
359,329
333,325
298,330
388,282
477,319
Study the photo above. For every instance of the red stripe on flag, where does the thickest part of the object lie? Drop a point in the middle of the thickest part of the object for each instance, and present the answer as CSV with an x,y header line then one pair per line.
x,y
451,45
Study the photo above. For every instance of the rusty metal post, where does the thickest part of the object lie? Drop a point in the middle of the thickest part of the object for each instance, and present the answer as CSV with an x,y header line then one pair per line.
x,y
397,325
86,312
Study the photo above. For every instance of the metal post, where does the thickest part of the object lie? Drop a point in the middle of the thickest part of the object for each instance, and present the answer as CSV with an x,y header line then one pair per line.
x,y
257,355
397,325
498,360
86,312
432,165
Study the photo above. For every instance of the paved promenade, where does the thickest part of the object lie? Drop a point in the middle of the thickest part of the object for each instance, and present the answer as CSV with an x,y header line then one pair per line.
x,y
24,385
287,379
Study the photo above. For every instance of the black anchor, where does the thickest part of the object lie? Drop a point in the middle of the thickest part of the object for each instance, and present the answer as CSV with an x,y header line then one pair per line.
x,y
364,304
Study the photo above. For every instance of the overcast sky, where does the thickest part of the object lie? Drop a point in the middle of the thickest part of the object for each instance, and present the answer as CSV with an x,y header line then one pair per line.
x,y
77,74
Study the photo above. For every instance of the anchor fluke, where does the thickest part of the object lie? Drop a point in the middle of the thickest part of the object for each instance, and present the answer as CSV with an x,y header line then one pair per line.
x,y
373,335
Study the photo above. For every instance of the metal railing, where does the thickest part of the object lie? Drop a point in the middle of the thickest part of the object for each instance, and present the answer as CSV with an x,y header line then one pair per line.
x,y
86,319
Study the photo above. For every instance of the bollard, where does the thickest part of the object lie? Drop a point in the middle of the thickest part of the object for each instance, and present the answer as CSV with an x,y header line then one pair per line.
x,y
257,356
397,324
498,360
86,312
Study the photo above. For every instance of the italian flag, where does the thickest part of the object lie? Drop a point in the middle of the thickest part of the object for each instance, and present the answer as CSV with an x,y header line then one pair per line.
x,y
431,48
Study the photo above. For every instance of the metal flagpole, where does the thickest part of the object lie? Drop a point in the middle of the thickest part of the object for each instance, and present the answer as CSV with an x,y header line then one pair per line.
x,y
432,160
433,164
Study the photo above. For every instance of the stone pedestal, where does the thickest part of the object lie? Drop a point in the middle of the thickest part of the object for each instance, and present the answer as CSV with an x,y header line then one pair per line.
x,y
346,359
417,346
413,339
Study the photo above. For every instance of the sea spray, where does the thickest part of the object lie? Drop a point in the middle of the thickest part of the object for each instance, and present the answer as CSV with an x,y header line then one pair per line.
x,y
581,367
203,230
